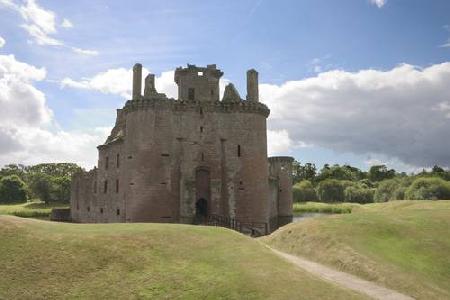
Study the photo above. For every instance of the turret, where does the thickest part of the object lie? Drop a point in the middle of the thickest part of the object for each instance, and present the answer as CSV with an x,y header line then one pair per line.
x,y
252,85
137,81
197,83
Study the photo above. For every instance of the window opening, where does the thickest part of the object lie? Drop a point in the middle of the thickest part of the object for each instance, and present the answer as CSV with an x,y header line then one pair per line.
x,y
191,94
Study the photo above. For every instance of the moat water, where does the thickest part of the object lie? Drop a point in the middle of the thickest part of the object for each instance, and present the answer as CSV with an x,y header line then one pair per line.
x,y
305,216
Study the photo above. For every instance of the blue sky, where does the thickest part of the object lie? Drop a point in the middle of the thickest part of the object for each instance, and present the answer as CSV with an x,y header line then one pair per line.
x,y
286,41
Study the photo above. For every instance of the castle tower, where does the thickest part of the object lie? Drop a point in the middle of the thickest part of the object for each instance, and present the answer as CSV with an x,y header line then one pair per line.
x,y
198,84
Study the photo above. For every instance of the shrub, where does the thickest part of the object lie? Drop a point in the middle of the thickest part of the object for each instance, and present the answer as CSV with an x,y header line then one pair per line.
x,y
432,188
332,190
12,189
304,191
358,194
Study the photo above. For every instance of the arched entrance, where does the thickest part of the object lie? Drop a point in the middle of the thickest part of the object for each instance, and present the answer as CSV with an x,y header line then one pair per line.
x,y
202,188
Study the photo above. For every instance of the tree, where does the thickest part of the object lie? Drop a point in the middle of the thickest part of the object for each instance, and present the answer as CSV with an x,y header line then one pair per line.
x,y
432,188
380,172
306,172
332,190
42,187
12,189
304,191
358,194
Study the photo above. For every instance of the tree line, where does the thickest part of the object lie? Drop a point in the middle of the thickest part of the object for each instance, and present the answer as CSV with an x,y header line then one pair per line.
x,y
344,183
49,182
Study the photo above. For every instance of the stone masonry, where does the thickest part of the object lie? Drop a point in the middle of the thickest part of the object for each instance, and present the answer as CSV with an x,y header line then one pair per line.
x,y
188,160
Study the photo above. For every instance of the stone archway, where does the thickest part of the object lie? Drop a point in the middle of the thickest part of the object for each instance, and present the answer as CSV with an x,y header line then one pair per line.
x,y
203,194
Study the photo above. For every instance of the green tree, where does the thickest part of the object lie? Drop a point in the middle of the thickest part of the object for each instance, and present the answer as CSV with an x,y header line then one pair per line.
x,y
380,172
42,187
306,172
304,191
12,189
332,190
431,188
358,194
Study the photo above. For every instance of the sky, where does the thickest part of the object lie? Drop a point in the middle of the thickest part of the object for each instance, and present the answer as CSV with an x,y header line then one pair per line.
x,y
358,82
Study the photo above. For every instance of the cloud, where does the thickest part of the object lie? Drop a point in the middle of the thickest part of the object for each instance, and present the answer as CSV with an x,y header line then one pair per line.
x,y
41,24
85,51
379,3
446,45
66,23
402,113
119,82
278,142
2,42
28,131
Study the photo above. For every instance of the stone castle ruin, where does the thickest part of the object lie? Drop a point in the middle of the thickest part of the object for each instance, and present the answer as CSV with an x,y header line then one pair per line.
x,y
195,160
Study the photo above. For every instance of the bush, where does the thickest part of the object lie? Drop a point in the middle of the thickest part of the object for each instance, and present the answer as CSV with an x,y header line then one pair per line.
x,y
392,189
358,194
332,190
304,191
432,188
12,189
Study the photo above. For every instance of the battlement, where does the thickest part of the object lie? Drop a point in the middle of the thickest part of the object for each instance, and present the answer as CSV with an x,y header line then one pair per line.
x,y
179,105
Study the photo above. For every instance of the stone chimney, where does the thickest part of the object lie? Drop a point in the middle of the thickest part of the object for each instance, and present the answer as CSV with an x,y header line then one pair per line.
x,y
137,81
149,85
252,86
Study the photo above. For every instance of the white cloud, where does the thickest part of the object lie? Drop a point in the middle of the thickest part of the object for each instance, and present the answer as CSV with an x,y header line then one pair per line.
x,y
28,133
379,3
41,25
401,113
119,82
2,42
278,142
85,51
446,45
66,23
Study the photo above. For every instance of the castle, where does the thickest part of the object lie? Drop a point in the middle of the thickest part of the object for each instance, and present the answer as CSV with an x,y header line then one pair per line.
x,y
194,160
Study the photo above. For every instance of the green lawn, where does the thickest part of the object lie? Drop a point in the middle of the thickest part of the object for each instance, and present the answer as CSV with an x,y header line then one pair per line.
x,y
404,245
48,260
35,209
318,207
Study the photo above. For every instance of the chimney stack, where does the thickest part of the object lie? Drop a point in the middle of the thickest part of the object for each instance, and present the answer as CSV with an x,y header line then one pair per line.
x,y
149,85
252,86
137,81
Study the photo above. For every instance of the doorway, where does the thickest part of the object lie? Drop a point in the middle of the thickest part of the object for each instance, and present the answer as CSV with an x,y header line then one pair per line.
x,y
202,188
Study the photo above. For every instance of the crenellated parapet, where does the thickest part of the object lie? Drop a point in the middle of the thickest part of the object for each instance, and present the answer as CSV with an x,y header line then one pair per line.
x,y
216,106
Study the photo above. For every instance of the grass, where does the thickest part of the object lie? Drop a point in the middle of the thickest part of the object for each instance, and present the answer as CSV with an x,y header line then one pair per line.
x,y
318,207
404,245
49,260
35,209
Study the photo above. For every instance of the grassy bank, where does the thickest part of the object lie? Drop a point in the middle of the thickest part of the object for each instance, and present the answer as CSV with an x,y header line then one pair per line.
x,y
404,245
35,209
318,207
46,260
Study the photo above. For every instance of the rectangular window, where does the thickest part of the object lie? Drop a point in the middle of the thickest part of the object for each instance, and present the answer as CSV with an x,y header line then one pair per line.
x,y
201,128
118,212
191,94
106,163
239,151
101,210
95,187
118,160
105,187
117,185
88,208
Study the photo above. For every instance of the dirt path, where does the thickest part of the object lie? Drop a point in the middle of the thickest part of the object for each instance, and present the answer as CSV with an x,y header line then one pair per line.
x,y
344,279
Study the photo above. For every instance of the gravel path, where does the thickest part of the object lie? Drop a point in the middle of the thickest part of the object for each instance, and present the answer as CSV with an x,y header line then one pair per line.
x,y
344,279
